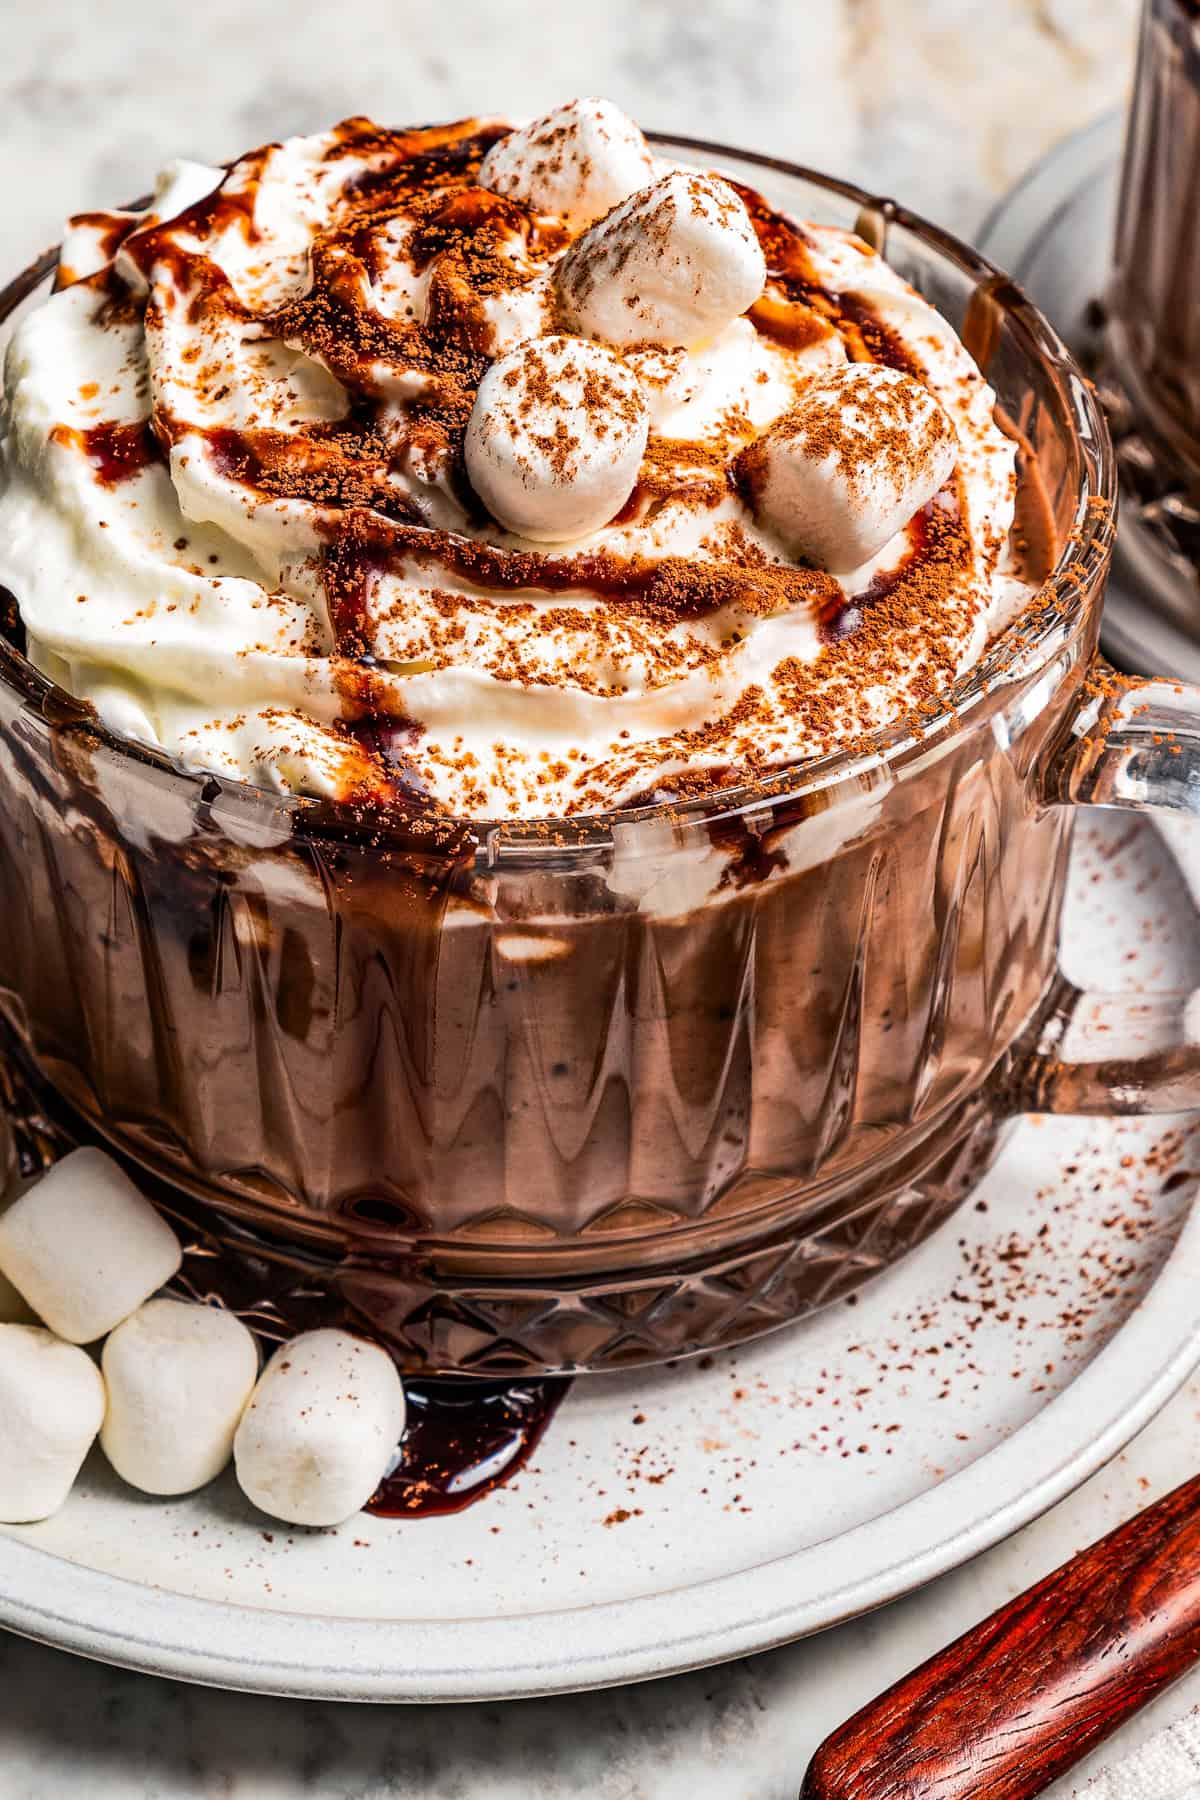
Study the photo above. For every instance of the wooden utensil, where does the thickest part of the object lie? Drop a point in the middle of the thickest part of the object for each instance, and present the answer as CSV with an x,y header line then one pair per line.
x,y
1021,1697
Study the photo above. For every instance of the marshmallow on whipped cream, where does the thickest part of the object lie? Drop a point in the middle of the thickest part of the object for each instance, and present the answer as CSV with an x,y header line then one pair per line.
x,y
578,162
556,437
671,265
863,450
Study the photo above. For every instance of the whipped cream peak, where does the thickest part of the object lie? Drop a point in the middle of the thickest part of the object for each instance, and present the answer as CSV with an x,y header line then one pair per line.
x,y
671,265
576,162
359,477
556,438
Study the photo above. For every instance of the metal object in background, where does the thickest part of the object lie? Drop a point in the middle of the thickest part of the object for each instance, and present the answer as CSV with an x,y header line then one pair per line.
x,y
1054,235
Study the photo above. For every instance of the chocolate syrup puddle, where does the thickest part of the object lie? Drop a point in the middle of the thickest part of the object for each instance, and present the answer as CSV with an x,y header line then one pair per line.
x,y
462,1440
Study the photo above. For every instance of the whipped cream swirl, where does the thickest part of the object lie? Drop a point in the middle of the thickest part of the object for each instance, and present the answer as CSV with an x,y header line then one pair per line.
x,y
470,467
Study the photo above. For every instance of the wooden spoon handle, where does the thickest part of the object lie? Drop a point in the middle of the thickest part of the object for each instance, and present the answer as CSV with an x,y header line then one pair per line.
x,y
1015,1701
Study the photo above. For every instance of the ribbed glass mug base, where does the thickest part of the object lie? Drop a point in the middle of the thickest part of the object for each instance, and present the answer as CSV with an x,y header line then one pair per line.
x,y
441,1319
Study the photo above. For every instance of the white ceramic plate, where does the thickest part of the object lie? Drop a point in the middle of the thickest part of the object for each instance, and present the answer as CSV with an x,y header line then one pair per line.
x,y
703,1511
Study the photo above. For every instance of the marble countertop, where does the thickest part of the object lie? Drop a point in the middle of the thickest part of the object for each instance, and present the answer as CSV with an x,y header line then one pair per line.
x,y
941,104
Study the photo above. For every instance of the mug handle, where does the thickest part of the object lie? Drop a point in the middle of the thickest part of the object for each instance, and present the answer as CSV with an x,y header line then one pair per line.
x,y
1131,743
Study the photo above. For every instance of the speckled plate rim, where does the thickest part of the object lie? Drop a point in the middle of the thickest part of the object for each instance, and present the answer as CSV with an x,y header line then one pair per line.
x,y
117,1620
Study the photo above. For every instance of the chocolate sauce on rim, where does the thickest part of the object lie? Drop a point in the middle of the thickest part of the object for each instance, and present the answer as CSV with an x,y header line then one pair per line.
x,y
462,1440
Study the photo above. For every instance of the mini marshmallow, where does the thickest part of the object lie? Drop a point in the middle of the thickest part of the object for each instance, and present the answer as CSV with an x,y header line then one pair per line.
x,y
863,449
321,1428
673,265
578,162
178,1377
51,1405
556,437
84,1247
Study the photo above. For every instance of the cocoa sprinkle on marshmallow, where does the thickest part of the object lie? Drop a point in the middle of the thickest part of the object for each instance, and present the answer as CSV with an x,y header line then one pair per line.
x,y
556,437
672,265
321,1428
578,162
863,449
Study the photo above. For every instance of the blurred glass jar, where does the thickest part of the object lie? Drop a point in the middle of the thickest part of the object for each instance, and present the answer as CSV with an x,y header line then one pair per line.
x,y
1154,298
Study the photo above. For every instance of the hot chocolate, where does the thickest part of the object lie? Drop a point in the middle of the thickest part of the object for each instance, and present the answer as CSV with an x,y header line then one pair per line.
x,y
487,897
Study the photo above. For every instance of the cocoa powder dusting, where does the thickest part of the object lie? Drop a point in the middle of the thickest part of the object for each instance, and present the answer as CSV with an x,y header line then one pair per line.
x,y
597,620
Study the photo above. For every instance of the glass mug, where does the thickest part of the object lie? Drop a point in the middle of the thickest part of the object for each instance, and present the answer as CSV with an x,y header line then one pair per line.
x,y
654,1083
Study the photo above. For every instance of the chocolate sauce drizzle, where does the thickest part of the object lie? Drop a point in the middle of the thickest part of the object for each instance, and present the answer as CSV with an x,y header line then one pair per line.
x,y
430,174
842,616
117,452
808,308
